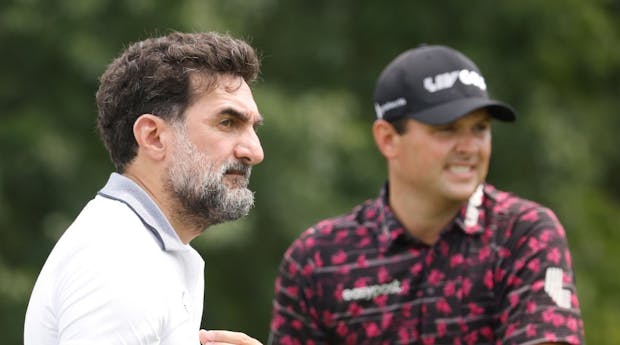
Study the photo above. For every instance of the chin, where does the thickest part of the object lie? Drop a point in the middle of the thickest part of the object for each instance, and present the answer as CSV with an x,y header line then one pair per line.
x,y
461,193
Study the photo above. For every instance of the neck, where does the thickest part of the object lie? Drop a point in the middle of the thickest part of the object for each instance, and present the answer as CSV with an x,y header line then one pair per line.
x,y
422,216
186,228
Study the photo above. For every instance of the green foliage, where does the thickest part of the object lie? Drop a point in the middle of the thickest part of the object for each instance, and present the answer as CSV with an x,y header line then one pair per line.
x,y
556,62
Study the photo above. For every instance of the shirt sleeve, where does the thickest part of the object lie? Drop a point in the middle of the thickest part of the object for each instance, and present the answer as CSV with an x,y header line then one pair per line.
x,y
536,283
295,318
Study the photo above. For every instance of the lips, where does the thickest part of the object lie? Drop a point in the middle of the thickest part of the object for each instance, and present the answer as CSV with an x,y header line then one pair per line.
x,y
241,173
237,178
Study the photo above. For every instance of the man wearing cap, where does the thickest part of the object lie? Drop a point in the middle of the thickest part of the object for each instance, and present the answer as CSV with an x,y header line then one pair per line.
x,y
440,256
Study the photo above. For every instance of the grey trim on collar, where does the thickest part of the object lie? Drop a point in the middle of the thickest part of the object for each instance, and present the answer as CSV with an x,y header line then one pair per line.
x,y
125,190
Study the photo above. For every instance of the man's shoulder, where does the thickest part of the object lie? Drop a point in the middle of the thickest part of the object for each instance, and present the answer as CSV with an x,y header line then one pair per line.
x,y
104,233
335,233
344,223
509,203
522,216
331,236
102,212
111,219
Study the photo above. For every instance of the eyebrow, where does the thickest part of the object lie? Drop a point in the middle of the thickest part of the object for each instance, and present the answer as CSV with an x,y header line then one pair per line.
x,y
241,115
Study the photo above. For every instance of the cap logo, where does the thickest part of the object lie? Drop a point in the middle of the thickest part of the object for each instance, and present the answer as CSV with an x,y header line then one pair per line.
x,y
381,109
447,80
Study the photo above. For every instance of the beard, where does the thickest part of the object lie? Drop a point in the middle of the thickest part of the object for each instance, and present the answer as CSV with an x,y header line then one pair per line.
x,y
199,187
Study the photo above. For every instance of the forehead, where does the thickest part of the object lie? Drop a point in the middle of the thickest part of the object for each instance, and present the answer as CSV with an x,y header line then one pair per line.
x,y
482,113
469,119
473,116
476,115
213,95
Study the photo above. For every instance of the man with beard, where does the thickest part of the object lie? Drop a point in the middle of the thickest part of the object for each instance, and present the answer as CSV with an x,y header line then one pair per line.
x,y
179,121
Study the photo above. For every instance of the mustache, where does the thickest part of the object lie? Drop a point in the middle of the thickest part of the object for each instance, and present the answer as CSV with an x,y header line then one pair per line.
x,y
238,168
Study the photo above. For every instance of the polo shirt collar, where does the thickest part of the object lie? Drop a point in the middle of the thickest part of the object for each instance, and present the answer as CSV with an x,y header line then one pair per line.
x,y
472,215
123,189
390,229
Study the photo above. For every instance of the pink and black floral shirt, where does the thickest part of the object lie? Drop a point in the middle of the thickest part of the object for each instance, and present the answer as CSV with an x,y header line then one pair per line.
x,y
500,273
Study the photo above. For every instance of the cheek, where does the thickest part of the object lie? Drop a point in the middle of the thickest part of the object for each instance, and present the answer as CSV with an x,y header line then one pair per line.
x,y
486,149
437,153
425,161
485,157
216,150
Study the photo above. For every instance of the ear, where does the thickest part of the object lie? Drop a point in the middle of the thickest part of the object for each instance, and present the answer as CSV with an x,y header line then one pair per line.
x,y
386,138
149,133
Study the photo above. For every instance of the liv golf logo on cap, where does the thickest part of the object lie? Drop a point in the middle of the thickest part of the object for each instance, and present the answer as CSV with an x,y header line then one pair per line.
x,y
447,80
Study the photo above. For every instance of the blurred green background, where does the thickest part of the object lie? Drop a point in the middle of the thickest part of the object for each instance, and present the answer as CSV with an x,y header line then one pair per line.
x,y
557,62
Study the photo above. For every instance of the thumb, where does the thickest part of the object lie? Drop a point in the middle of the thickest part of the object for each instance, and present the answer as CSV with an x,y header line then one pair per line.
x,y
202,335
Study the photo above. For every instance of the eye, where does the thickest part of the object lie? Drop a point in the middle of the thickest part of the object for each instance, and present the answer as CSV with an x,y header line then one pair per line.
x,y
482,127
227,122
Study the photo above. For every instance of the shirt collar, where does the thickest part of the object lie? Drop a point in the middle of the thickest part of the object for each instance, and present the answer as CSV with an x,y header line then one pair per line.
x,y
125,190
390,230
472,215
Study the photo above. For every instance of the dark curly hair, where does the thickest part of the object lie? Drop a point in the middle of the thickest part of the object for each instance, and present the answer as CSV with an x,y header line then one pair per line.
x,y
153,77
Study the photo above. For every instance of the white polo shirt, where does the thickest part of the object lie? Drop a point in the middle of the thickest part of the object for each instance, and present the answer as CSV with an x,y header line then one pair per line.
x,y
118,275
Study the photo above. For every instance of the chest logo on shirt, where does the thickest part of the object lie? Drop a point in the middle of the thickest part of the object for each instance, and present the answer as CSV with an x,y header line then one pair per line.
x,y
372,291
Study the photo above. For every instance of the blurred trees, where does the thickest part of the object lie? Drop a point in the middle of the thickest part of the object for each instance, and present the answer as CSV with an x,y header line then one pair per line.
x,y
556,62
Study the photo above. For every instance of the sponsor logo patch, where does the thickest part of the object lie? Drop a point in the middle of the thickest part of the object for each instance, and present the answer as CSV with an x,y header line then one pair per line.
x,y
447,80
372,291
554,287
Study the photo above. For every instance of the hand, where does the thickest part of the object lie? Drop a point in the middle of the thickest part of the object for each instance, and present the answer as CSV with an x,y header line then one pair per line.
x,y
226,338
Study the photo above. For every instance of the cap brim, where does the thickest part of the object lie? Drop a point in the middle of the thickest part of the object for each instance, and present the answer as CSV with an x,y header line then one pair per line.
x,y
448,112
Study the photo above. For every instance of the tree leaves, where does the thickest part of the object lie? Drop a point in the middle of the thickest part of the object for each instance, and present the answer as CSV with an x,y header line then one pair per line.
x,y
556,62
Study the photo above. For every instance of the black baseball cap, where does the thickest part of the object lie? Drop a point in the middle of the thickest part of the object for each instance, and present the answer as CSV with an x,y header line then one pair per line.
x,y
434,84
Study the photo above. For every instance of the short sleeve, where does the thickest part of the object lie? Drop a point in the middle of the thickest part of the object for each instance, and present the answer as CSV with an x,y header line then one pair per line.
x,y
536,282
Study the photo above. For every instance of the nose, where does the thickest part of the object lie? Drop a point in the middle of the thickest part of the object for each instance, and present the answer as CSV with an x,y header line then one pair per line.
x,y
466,142
249,148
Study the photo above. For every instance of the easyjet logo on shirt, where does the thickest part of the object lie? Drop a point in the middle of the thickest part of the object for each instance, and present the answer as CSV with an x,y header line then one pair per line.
x,y
372,291
447,80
